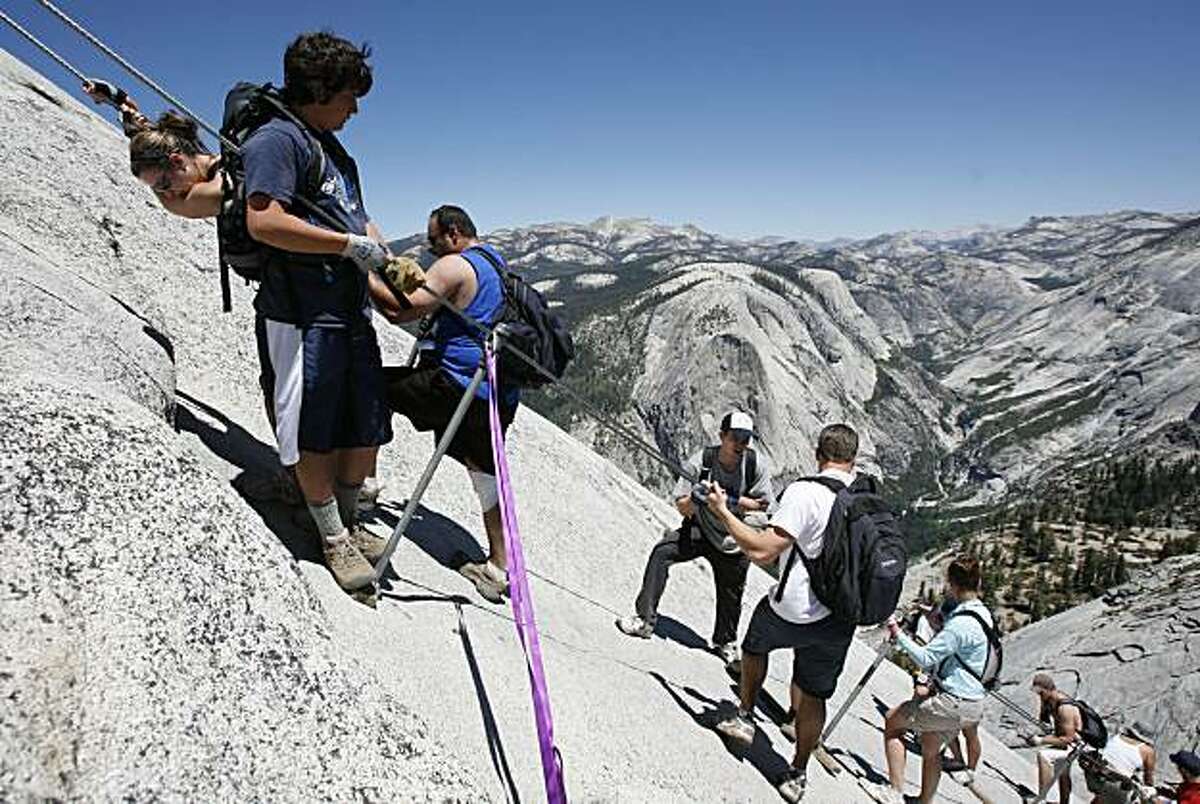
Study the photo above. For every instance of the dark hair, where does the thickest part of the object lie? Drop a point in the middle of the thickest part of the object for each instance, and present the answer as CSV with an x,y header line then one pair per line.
x,y
152,146
837,443
450,217
964,573
317,66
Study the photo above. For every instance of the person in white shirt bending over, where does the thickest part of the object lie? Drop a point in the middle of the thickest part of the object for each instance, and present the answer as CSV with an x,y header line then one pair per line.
x,y
790,616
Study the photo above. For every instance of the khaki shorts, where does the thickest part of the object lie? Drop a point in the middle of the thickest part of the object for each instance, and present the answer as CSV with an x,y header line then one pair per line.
x,y
1054,756
943,714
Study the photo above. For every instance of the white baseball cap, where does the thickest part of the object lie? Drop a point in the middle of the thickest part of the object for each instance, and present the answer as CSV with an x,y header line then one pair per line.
x,y
738,423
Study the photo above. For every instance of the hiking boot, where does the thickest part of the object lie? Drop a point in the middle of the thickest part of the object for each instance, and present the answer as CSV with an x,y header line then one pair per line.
x,y
349,568
792,784
739,728
732,657
490,581
368,495
635,626
367,543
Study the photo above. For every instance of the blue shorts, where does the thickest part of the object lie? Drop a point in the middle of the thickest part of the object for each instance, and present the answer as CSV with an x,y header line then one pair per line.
x,y
325,385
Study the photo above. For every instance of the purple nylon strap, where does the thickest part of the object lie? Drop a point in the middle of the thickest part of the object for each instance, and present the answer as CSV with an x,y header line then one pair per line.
x,y
522,603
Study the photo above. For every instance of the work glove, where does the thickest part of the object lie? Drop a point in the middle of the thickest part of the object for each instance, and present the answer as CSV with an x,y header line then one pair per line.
x,y
367,253
402,274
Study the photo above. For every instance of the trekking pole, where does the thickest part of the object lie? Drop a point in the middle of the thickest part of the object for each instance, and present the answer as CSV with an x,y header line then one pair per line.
x,y
882,652
111,100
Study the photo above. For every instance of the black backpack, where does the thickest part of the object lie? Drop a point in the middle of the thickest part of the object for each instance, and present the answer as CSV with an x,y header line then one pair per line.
x,y
994,664
859,573
1092,731
247,108
530,327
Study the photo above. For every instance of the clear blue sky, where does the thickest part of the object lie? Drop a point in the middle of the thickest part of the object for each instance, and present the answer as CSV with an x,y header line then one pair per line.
x,y
744,118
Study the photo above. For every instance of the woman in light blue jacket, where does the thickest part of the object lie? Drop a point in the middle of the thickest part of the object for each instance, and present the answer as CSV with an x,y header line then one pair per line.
x,y
956,659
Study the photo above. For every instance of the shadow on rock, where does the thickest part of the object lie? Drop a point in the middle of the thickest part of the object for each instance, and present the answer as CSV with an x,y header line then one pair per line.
x,y
670,628
760,753
1019,788
490,728
235,445
439,537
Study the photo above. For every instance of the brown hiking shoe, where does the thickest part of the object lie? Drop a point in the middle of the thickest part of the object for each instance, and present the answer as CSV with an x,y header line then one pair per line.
x,y
349,568
370,545
490,581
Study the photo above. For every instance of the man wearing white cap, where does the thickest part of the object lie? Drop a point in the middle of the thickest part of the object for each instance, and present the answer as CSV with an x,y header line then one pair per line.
x,y
744,475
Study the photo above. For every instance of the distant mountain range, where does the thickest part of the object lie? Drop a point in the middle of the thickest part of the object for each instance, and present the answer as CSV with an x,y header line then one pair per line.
x,y
974,362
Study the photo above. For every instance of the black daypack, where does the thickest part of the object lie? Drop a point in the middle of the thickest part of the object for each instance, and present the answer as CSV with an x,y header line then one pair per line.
x,y
1092,731
859,573
247,108
994,664
531,328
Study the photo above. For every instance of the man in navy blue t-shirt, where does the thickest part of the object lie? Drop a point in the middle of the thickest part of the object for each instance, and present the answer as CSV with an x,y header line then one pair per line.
x,y
320,357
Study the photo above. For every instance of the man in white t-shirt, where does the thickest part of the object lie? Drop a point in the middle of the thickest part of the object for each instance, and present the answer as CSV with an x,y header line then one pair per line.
x,y
790,616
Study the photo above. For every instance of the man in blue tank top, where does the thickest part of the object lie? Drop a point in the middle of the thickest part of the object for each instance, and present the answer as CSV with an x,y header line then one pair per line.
x,y
429,392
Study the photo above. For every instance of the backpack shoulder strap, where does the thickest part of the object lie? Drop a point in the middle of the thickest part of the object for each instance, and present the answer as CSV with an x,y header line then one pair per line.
x,y
707,458
834,485
749,470
487,255
989,636
831,483
316,161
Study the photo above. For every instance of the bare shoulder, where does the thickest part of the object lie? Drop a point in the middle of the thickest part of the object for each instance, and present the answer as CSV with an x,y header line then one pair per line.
x,y
453,267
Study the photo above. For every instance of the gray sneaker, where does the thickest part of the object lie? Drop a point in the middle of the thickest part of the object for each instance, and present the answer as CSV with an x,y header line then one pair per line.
x,y
349,568
792,784
635,626
370,545
738,727
490,581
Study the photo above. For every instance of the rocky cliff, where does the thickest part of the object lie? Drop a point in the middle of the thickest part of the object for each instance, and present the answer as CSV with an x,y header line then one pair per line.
x,y
1131,655
161,639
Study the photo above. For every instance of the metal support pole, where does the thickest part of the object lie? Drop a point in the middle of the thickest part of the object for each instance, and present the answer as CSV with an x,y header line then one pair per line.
x,y
444,444
885,648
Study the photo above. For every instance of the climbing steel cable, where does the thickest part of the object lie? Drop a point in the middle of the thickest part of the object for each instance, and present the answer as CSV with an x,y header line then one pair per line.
x,y
42,46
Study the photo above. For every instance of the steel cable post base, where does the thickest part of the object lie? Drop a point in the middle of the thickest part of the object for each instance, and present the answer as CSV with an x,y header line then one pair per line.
x,y
415,500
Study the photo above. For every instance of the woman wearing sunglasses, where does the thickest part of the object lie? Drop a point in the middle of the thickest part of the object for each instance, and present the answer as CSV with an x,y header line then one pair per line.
x,y
168,157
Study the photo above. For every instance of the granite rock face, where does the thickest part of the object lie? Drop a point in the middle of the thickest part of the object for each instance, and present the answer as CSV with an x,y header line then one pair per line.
x,y
156,641
1130,654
